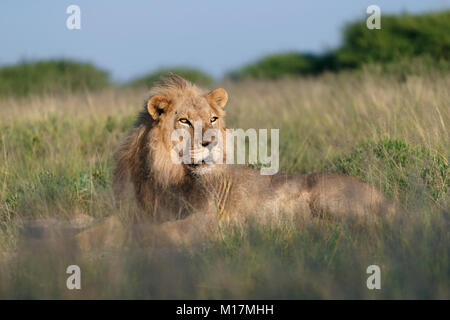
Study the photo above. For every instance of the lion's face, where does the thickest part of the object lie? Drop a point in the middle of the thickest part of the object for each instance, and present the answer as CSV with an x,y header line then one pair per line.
x,y
192,127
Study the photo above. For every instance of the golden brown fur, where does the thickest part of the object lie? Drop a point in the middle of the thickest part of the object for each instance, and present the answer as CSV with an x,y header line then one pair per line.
x,y
162,188
170,191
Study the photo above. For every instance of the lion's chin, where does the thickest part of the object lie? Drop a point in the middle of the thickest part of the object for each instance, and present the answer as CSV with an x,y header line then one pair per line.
x,y
201,168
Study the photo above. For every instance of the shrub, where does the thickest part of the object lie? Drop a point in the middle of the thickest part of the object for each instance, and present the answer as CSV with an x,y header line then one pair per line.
x,y
400,37
402,42
50,76
191,74
284,64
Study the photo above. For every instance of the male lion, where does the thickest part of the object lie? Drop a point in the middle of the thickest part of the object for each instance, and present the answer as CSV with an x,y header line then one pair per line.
x,y
171,191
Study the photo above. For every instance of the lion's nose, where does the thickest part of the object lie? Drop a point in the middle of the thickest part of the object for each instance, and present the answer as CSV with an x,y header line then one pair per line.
x,y
209,143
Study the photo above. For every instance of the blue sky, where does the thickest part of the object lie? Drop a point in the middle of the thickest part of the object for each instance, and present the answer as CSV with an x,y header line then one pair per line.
x,y
129,38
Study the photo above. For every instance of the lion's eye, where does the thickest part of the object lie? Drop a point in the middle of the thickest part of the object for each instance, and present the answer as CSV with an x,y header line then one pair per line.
x,y
184,121
213,119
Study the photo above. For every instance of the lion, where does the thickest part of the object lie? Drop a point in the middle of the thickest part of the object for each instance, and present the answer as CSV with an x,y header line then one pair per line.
x,y
167,190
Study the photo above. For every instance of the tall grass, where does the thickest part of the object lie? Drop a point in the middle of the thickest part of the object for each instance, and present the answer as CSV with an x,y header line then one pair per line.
x,y
55,162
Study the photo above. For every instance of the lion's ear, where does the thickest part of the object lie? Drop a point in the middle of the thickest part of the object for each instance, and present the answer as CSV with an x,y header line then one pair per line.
x,y
156,106
218,97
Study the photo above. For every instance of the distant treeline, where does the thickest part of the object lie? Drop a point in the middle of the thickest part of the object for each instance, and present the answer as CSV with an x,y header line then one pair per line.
x,y
401,38
402,42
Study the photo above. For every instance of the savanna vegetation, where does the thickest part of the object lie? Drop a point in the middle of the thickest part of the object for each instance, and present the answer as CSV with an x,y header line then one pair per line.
x,y
393,132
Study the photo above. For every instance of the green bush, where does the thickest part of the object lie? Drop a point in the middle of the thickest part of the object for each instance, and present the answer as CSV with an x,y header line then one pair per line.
x,y
191,74
402,167
402,41
50,76
284,64
400,37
